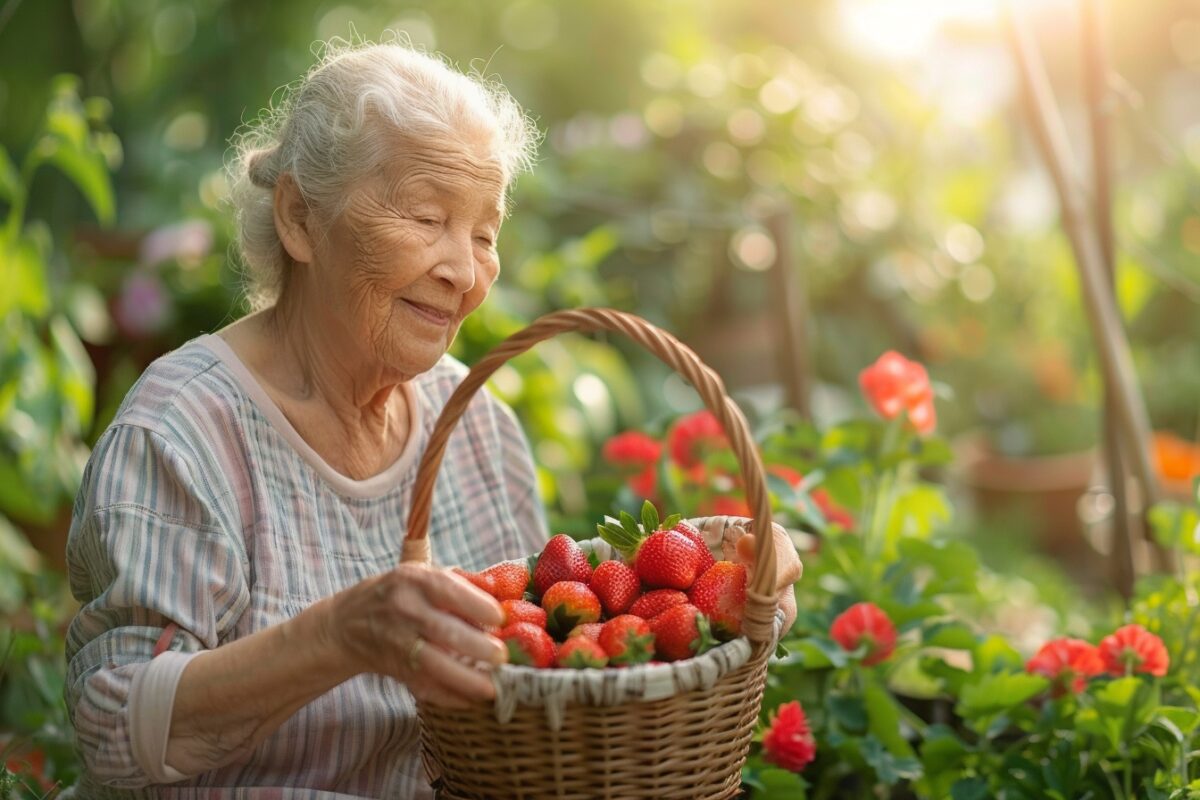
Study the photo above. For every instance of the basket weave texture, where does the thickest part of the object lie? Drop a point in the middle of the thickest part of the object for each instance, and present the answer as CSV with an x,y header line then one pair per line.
x,y
691,744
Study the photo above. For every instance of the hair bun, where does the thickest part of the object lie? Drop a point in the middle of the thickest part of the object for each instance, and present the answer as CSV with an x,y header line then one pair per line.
x,y
262,168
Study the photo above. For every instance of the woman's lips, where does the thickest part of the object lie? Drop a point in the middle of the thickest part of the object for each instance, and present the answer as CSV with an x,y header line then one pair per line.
x,y
432,314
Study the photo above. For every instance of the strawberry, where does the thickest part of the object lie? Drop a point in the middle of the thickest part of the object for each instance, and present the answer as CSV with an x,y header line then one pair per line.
x,y
480,579
588,630
651,604
567,604
720,594
523,611
580,653
681,632
528,644
511,578
627,640
662,558
616,585
562,559
692,532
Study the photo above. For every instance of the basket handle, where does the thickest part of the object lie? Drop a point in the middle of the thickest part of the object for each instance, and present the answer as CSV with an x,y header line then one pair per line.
x,y
761,601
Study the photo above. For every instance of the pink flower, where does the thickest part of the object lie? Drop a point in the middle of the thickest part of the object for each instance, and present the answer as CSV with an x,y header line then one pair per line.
x,y
865,623
1134,649
143,307
693,436
1067,662
788,742
895,385
640,452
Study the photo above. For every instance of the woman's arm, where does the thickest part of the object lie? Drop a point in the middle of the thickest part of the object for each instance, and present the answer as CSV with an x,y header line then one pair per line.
x,y
231,698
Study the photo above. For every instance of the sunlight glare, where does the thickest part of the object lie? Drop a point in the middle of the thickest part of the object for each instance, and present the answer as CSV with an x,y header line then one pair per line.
x,y
903,29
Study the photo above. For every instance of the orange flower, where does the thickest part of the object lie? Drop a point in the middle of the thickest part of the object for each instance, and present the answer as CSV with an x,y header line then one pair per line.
x,y
1177,459
895,385
693,436
865,623
788,742
636,450
1132,648
1067,662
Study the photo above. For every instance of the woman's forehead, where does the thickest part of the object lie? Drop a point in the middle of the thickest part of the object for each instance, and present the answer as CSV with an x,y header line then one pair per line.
x,y
455,173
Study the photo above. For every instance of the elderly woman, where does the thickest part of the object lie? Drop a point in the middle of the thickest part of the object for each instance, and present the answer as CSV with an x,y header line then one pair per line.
x,y
245,629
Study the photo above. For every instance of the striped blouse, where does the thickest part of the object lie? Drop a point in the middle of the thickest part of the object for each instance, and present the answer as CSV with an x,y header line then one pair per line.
x,y
202,506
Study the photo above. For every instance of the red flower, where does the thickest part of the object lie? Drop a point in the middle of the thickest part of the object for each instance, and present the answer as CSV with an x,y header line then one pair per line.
x,y
788,742
723,506
834,513
30,764
640,452
865,623
893,385
1134,649
693,436
1067,662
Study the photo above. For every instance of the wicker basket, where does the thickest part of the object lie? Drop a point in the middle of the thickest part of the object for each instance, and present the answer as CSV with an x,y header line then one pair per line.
x,y
691,744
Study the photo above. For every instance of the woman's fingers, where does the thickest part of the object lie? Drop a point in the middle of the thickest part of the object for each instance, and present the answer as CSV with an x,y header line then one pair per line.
x,y
788,567
452,676
460,597
455,636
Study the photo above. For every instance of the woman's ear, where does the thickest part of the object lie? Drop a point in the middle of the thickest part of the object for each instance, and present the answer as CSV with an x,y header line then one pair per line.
x,y
292,217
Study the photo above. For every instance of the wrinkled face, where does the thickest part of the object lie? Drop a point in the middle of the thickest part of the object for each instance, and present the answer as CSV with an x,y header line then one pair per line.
x,y
413,254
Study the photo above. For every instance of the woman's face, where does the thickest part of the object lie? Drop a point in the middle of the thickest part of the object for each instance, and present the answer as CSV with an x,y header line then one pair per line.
x,y
413,254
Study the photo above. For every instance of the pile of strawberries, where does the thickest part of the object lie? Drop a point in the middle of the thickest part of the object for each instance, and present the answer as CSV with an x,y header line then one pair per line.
x,y
669,599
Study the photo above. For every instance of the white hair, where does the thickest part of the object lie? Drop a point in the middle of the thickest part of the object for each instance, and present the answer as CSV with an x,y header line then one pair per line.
x,y
339,123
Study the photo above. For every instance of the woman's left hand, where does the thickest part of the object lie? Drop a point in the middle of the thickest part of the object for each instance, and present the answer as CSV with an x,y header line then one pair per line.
x,y
788,567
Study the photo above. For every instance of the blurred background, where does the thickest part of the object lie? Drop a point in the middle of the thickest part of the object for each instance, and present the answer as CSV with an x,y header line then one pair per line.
x,y
792,188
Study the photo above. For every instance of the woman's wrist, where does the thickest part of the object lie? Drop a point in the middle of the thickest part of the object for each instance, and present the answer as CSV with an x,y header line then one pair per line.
x,y
316,631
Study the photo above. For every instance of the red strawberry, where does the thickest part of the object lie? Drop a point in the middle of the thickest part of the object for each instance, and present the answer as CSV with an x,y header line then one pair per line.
x,y
562,559
588,630
668,560
720,594
480,579
692,532
681,632
580,652
567,604
616,585
511,579
651,604
661,557
523,611
627,640
528,644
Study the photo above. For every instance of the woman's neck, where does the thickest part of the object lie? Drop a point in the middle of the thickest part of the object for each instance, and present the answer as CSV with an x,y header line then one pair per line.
x,y
348,408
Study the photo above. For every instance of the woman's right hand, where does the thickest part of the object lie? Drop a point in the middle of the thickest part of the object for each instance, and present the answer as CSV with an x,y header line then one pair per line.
x,y
375,625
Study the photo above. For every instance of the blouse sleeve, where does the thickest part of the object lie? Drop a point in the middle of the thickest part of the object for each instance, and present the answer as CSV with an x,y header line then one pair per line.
x,y
146,549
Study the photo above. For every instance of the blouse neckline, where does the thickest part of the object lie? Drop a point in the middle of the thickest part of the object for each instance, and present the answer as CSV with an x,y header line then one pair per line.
x,y
374,486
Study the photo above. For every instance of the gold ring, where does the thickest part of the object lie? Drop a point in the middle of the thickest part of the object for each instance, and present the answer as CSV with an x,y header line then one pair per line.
x,y
414,653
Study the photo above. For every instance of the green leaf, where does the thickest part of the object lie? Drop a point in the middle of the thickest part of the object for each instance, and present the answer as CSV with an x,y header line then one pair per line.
x,y
997,693
76,376
1176,526
952,635
848,711
649,517
888,768
10,178
884,717
970,789
1184,719
87,170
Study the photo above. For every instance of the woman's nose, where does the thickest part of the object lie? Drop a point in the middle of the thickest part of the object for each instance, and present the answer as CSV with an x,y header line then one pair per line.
x,y
456,264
